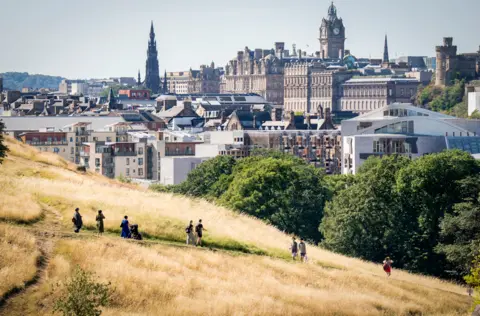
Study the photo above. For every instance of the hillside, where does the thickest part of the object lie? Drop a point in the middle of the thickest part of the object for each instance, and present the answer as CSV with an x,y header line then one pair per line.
x,y
19,80
244,270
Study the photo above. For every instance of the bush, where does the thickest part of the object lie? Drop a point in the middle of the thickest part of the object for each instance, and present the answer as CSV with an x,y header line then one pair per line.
x,y
83,296
124,179
81,169
473,280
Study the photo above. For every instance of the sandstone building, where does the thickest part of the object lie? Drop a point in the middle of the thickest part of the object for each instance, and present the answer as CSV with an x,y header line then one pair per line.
x,y
205,80
332,36
450,65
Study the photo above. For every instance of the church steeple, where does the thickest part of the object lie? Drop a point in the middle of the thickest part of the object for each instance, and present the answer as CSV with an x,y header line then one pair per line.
x,y
111,100
152,74
385,51
165,86
139,80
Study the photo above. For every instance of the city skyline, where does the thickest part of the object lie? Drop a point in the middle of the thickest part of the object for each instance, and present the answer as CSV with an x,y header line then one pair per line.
x,y
109,39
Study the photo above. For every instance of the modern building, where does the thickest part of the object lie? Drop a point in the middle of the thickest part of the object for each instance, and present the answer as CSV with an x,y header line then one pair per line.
x,y
450,65
473,97
152,73
406,130
135,94
364,94
176,169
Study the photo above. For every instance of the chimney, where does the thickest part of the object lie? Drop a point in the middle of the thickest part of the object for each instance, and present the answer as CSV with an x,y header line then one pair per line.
x,y
300,54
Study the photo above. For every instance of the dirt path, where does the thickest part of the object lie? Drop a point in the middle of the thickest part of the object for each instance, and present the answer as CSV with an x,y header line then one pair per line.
x,y
47,232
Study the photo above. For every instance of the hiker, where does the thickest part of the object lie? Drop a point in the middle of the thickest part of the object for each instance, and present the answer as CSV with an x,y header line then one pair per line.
x,y
387,266
199,230
100,217
469,291
294,248
125,227
190,235
303,250
77,220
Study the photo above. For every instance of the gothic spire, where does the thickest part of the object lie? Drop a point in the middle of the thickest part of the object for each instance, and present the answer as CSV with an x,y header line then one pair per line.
x,y
139,81
152,74
332,12
165,87
385,51
111,99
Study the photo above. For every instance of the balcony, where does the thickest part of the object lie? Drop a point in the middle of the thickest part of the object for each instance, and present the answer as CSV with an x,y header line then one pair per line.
x,y
47,143
125,153
82,133
180,153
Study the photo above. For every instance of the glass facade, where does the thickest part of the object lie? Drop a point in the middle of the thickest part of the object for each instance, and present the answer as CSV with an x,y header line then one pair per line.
x,y
405,127
468,144
402,113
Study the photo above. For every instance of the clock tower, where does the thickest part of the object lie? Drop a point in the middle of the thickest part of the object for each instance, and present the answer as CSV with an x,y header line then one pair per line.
x,y
332,35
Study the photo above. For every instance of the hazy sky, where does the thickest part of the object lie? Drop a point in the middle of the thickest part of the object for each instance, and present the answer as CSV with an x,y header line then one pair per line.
x,y
107,38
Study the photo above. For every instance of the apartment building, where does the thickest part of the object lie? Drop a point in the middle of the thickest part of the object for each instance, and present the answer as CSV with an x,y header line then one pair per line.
x,y
49,141
127,159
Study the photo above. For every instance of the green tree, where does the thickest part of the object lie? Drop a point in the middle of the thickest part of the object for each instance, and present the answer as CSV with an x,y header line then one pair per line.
x,y
83,296
429,187
473,280
365,219
460,230
209,179
3,147
284,192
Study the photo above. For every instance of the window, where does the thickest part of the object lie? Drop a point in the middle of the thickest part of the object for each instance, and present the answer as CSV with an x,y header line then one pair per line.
x,y
390,92
72,150
402,91
97,162
140,161
140,172
140,150
188,150
95,139
109,139
71,139
127,172
128,161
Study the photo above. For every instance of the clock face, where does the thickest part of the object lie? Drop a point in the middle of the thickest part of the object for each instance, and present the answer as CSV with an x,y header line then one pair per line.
x,y
336,31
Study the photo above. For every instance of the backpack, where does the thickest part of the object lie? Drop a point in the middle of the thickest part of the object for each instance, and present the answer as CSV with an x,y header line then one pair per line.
x,y
188,229
73,220
197,228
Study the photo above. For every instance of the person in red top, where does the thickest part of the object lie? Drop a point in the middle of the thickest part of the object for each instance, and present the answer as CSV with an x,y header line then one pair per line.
x,y
387,266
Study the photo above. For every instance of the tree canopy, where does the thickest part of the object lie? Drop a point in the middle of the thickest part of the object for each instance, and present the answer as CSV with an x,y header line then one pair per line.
x,y
3,147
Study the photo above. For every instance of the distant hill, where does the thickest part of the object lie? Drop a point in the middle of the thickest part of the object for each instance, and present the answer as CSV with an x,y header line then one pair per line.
x,y
19,80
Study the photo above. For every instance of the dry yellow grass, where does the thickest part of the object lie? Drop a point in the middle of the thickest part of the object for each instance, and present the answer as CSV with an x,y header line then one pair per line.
x,y
214,283
18,257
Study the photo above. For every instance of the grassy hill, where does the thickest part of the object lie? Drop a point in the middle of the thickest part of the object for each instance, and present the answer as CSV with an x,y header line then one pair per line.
x,y
244,270
19,80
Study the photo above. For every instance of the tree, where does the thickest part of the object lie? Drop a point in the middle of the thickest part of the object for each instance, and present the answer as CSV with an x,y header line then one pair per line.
x,y
473,279
460,230
209,179
287,193
365,219
3,147
83,296
429,187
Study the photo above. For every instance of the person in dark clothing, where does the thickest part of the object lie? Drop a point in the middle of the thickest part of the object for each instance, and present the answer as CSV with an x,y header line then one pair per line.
x,y
125,228
199,230
77,220
190,234
294,248
100,217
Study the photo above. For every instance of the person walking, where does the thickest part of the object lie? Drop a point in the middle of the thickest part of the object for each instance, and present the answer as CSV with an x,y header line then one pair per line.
x,y
77,220
303,250
199,230
190,235
387,266
125,227
294,248
100,217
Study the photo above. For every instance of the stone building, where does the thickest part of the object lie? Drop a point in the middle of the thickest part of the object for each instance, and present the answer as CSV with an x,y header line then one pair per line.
x,y
449,65
332,36
257,71
309,85
205,80
361,95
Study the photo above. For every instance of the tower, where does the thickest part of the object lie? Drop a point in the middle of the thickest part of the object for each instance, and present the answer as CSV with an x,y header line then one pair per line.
x,y
139,80
385,51
165,87
446,62
111,102
332,35
152,75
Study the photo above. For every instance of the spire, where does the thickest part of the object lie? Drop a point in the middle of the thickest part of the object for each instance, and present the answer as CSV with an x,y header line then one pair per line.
x,y
152,31
165,87
111,99
139,81
152,75
385,51
332,12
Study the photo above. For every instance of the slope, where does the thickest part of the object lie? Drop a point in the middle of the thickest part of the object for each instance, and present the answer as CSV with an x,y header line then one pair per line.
x,y
244,270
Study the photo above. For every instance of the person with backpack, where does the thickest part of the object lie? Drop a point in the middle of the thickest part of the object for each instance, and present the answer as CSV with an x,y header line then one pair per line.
x,y
100,217
387,266
190,235
77,220
199,230
294,248
125,225
303,250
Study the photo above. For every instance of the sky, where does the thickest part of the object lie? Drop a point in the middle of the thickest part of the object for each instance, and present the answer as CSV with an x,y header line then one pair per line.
x,y
108,38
